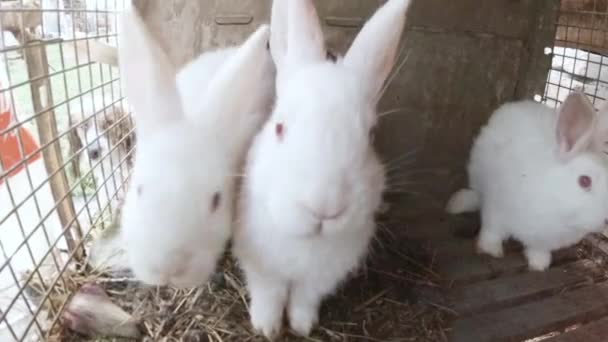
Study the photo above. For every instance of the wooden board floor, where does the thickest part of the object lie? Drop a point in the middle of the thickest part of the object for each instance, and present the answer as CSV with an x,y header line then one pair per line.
x,y
501,300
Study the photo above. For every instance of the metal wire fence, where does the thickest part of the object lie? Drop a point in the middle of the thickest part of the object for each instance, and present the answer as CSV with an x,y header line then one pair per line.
x,y
579,54
66,141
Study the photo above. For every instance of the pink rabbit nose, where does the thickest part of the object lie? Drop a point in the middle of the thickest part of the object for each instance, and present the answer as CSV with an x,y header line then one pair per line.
x,y
321,218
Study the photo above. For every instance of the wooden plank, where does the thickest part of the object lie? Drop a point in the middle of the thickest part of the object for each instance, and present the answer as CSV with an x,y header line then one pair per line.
x,y
514,290
593,332
536,62
534,319
474,268
425,228
452,118
448,249
42,100
435,226
502,18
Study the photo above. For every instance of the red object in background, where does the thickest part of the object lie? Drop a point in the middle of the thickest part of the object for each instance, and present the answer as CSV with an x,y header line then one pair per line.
x,y
10,153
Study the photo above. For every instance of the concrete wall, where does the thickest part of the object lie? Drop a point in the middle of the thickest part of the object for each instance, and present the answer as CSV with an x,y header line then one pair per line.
x,y
465,58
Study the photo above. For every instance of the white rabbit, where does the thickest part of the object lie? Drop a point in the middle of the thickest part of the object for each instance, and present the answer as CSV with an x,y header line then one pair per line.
x,y
313,180
537,176
178,211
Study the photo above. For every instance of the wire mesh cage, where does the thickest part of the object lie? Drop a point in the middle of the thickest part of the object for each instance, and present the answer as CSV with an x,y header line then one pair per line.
x,y
65,145
67,141
579,54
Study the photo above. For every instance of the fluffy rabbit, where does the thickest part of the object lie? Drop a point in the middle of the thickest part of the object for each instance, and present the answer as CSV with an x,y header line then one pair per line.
x,y
537,176
178,211
313,180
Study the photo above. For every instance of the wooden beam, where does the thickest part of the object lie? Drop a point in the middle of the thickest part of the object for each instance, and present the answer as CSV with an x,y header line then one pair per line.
x,y
534,319
593,332
42,99
510,291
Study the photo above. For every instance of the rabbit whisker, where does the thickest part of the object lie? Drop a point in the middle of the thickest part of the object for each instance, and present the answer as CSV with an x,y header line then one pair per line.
x,y
389,112
394,74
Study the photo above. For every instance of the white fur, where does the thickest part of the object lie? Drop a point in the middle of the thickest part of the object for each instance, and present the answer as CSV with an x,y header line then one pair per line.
x,y
465,200
172,234
309,198
194,77
527,179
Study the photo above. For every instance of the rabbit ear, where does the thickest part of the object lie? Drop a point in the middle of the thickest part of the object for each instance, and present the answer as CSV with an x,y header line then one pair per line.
x,y
297,34
278,30
576,124
305,37
239,75
148,74
373,52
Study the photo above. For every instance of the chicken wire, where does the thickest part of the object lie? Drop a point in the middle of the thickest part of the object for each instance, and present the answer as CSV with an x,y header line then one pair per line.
x,y
65,138
579,54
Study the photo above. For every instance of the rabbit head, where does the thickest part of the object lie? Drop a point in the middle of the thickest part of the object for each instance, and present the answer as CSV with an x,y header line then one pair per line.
x,y
324,167
177,216
582,178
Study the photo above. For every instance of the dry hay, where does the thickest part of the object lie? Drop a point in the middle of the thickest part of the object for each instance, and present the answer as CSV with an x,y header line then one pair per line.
x,y
394,298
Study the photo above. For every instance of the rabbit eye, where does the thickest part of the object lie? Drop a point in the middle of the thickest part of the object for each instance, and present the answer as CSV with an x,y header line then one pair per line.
x,y
215,201
585,182
279,130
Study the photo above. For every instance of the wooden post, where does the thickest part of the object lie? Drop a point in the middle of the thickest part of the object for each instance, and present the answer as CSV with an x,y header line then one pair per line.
x,y
42,99
533,74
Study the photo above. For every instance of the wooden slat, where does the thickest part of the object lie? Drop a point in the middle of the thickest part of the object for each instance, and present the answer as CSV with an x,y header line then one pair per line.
x,y
593,332
42,101
469,269
448,249
534,319
433,227
508,291
419,228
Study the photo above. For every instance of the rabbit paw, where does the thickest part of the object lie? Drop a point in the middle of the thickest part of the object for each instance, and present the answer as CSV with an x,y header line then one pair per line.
x,y
302,318
268,299
538,260
491,244
266,321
